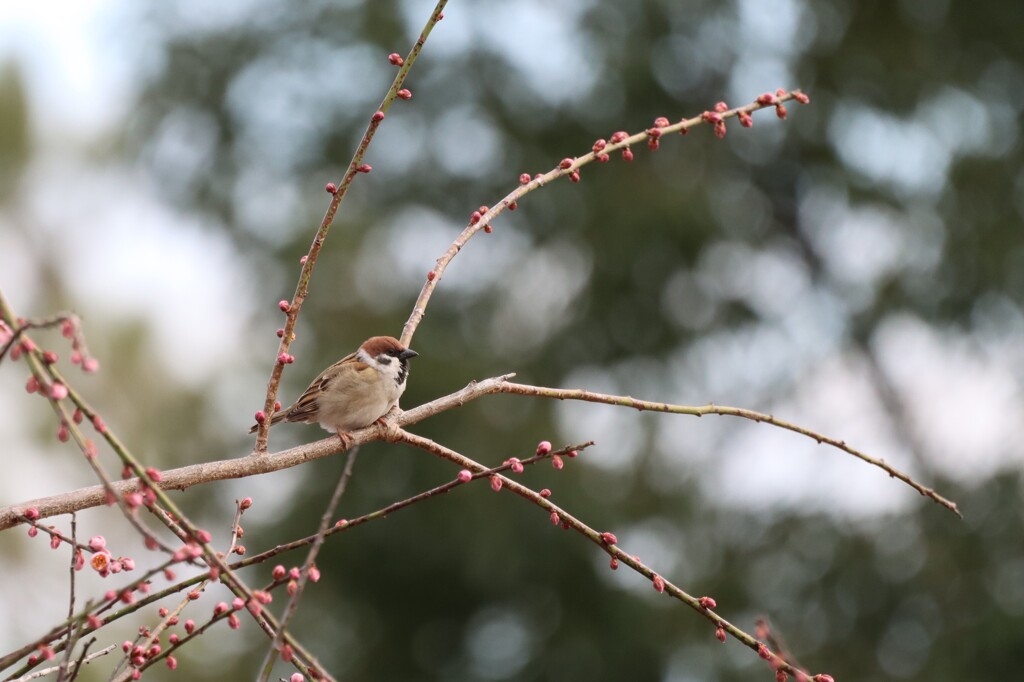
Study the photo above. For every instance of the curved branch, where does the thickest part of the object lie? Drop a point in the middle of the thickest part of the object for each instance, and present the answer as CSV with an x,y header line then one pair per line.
x,y
701,410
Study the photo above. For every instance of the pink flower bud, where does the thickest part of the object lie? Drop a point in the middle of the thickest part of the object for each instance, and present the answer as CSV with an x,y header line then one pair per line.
x,y
574,176
543,447
31,514
659,583
154,474
707,603
465,476
296,677
245,503
58,391
67,329
237,603
220,608
565,163
279,572
133,499
97,543
766,98
404,93
233,622
396,59
341,523
720,634
364,168
524,179
54,542
172,662
803,99
32,385
556,461
377,117
780,111
474,218
823,678
627,154
431,276
745,120
545,493
496,482
609,539
661,122
90,365
49,357
33,531
763,652
619,136
314,574
331,188
555,519
598,146
285,306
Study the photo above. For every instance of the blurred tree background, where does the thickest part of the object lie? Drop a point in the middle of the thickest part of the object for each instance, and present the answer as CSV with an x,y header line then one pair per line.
x,y
858,269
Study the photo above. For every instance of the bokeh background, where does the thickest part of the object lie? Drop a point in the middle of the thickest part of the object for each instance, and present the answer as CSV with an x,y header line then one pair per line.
x,y
858,269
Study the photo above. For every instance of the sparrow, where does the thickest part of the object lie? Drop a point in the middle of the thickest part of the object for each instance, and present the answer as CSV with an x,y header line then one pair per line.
x,y
355,391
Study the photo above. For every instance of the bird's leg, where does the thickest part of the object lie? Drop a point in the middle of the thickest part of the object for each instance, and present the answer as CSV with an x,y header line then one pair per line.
x,y
346,440
388,423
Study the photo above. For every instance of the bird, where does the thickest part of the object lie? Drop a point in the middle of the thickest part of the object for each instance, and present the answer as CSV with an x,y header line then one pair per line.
x,y
355,391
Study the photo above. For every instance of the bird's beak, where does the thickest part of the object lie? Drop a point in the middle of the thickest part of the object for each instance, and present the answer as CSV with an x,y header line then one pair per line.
x,y
407,353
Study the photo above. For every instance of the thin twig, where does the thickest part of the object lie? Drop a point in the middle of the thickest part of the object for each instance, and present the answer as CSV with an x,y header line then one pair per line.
x,y
483,221
308,564
724,410
72,631
302,288
606,541
47,671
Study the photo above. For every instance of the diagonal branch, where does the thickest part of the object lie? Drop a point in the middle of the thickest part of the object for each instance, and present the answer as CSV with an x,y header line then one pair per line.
x,y
355,167
609,544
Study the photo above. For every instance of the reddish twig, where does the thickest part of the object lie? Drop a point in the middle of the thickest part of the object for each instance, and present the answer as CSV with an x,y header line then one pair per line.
x,y
482,219
355,166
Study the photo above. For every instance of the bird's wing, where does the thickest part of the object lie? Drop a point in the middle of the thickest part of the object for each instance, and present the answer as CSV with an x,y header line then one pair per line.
x,y
306,408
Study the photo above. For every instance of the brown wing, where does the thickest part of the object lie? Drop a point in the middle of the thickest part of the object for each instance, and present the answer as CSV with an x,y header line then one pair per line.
x,y
306,408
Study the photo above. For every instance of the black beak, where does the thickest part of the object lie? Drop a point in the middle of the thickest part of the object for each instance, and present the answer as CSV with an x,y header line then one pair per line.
x,y
407,353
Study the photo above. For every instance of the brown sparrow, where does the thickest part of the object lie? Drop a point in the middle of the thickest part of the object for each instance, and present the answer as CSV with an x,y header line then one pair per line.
x,y
355,391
